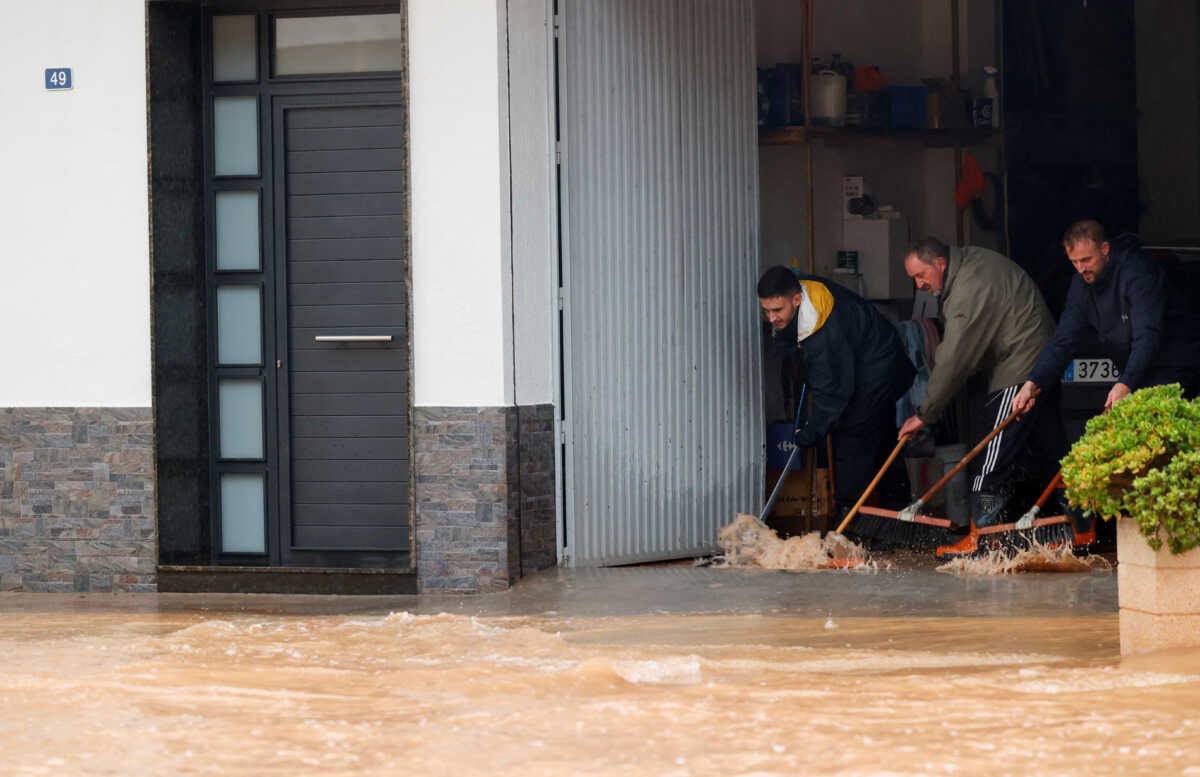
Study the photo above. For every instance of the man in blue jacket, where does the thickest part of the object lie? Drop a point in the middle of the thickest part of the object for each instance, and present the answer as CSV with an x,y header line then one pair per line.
x,y
1143,321
855,369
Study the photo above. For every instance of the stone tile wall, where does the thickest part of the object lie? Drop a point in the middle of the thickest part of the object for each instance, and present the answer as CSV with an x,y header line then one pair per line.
x,y
77,499
478,493
537,455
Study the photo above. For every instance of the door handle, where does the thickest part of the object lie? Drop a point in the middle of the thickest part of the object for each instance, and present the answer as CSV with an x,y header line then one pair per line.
x,y
353,338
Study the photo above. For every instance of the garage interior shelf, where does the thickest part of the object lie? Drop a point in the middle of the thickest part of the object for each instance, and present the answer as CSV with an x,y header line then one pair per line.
x,y
957,139
931,138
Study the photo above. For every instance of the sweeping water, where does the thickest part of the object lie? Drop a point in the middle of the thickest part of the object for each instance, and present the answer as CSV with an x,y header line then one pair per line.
x,y
747,542
1036,557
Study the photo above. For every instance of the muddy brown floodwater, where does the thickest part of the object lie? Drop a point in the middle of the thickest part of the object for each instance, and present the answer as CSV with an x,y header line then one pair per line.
x,y
229,692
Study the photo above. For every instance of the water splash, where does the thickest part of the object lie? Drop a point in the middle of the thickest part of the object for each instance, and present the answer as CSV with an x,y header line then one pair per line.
x,y
747,542
1036,557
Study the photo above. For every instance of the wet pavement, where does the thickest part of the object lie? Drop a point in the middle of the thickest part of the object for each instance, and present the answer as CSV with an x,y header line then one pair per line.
x,y
660,670
660,590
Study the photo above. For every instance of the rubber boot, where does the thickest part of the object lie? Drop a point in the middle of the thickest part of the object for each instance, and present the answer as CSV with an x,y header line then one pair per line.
x,y
964,547
987,509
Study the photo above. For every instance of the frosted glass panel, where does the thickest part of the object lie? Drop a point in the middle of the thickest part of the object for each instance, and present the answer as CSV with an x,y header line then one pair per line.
x,y
243,523
237,231
241,414
235,130
234,49
239,325
339,44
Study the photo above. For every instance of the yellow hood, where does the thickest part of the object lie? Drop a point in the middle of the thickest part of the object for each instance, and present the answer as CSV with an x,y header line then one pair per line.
x,y
814,309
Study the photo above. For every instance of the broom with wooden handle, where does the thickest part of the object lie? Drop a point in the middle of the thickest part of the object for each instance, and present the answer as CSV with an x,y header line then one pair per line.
x,y
910,512
871,486
1026,520
909,527
881,525
1030,530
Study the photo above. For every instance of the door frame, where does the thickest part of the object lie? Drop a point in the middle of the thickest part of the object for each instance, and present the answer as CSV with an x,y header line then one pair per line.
x,y
269,89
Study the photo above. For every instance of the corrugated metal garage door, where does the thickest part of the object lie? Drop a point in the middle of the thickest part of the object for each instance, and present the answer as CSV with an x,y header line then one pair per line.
x,y
660,238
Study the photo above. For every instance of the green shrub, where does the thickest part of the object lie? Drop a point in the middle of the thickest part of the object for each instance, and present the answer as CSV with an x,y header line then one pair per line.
x,y
1125,465
1169,497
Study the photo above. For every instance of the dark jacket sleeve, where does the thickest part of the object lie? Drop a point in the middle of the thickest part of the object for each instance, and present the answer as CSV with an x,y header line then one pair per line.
x,y
1146,291
829,361
1067,335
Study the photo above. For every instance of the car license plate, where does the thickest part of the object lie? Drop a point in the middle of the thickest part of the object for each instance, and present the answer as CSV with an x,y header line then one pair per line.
x,y
1091,371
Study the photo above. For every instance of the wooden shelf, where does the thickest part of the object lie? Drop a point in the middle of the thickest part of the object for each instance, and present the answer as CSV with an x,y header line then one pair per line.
x,y
931,138
782,136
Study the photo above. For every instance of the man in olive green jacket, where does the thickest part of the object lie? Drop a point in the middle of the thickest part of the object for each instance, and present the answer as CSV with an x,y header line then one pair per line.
x,y
995,321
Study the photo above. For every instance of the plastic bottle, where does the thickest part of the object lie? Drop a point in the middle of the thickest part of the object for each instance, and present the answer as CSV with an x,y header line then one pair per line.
x,y
990,90
828,104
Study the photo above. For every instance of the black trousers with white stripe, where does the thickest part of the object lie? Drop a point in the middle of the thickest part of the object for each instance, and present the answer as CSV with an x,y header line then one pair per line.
x,y
1025,455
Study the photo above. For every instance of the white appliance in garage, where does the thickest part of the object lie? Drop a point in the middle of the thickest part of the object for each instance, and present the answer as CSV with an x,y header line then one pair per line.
x,y
881,244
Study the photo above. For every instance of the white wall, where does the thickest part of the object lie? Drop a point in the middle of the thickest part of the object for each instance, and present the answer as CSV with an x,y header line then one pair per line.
x,y
461,272
74,248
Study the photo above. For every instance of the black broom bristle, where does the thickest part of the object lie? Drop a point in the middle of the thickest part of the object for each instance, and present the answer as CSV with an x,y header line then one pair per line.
x,y
1058,534
1015,541
882,533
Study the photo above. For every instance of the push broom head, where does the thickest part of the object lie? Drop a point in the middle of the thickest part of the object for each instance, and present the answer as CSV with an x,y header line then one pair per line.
x,y
884,529
1050,536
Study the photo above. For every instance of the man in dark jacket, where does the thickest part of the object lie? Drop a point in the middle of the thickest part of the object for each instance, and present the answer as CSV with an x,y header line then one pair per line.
x,y
855,369
1144,323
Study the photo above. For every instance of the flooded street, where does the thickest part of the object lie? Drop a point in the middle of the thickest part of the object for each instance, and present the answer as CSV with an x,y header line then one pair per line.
x,y
765,673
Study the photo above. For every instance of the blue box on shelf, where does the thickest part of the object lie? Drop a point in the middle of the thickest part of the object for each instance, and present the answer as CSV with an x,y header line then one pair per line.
x,y
783,86
906,107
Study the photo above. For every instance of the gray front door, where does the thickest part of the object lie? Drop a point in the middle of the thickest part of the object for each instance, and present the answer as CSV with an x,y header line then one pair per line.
x,y
343,393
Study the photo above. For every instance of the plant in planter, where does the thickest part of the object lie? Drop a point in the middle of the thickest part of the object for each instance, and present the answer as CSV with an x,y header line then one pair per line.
x,y
1169,497
1140,460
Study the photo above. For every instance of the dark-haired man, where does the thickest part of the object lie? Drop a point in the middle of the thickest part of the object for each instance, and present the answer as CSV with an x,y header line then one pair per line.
x,y
1144,323
855,369
996,322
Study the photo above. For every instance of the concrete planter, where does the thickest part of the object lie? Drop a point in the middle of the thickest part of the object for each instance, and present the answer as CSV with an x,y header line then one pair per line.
x,y
1159,594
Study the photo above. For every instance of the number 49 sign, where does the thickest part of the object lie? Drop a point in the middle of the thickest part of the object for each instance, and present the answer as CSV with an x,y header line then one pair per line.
x,y
58,78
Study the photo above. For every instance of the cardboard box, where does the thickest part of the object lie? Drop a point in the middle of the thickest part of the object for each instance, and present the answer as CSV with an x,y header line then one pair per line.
x,y
795,510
